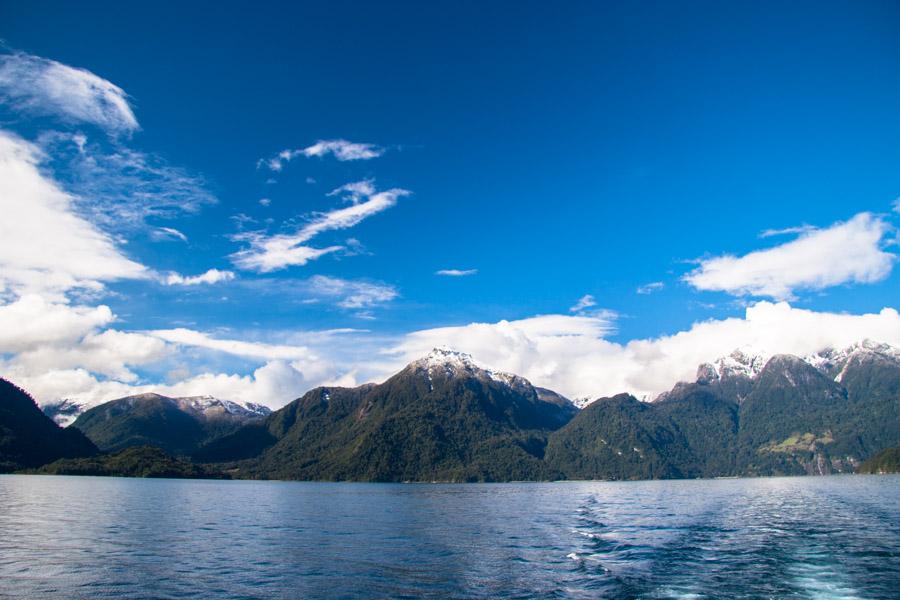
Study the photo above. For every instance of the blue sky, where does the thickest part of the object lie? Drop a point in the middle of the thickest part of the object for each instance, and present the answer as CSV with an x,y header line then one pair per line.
x,y
556,152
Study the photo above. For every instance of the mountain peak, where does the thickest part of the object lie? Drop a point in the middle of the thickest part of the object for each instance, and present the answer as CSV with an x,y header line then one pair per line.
x,y
835,361
446,357
742,362
453,363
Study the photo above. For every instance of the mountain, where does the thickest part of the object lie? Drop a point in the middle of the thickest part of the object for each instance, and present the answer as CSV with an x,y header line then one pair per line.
x,y
746,414
179,426
446,418
441,418
138,461
65,412
28,438
886,461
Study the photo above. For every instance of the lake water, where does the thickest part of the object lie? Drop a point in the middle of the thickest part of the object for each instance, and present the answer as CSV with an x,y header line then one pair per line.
x,y
72,537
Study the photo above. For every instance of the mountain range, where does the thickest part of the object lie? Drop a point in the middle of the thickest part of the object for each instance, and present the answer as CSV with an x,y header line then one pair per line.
x,y
180,426
446,418
28,438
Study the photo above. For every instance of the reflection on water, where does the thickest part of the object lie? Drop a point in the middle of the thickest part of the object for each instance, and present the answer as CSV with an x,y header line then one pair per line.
x,y
69,537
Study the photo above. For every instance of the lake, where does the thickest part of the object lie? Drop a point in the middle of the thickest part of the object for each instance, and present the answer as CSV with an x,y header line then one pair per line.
x,y
87,537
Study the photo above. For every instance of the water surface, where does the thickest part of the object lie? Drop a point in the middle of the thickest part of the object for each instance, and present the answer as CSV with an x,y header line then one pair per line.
x,y
86,537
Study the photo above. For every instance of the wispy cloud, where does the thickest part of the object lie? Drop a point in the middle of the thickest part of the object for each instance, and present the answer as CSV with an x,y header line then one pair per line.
x,y
456,272
121,188
846,252
355,192
259,350
273,252
787,231
165,234
352,294
40,86
649,288
342,150
209,277
585,302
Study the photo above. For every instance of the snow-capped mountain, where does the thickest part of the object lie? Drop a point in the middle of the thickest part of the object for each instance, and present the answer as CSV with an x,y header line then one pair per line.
x,y
835,362
451,363
748,363
582,401
743,362
210,407
66,412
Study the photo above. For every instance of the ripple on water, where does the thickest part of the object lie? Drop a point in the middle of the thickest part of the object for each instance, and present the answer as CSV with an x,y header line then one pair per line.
x,y
114,538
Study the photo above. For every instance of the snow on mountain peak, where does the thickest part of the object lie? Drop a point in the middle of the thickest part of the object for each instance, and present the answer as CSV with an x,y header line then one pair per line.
x,y
210,405
453,363
742,362
748,362
832,361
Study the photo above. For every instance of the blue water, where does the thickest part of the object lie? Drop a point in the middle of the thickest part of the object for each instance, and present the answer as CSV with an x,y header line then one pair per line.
x,y
71,537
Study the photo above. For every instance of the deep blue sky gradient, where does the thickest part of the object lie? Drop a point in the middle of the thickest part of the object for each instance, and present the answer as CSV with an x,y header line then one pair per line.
x,y
561,149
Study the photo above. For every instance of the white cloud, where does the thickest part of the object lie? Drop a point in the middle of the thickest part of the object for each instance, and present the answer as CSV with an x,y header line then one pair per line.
x,y
46,246
352,294
64,348
120,188
356,191
31,321
273,252
787,231
110,353
164,234
42,336
897,205
265,202
344,218
586,301
649,288
340,149
570,355
38,85
456,272
258,350
211,276
846,252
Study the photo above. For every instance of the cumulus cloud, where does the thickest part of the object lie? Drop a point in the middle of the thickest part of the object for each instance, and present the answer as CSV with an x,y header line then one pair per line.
x,y
46,246
41,336
342,150
570,355
456,272
268,253
209,277
66,350
649,288
41,86
61,351
846,252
